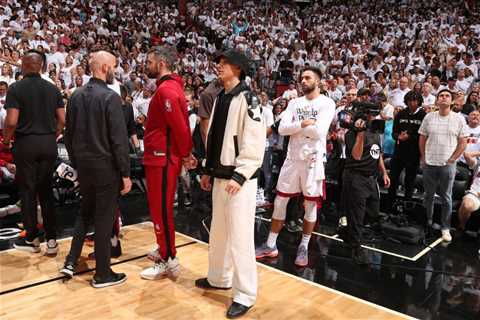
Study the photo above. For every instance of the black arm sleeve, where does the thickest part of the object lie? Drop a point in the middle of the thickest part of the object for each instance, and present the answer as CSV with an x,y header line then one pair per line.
x,y
117,133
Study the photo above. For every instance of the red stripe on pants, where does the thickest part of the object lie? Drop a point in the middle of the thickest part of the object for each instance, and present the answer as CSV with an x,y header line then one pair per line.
x,y
158,199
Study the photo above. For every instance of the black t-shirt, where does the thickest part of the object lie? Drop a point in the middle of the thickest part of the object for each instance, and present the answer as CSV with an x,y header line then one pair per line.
x,y
37,101
218,124
368,164
129,120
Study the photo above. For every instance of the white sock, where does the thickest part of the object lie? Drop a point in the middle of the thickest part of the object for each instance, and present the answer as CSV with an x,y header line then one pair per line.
x,y
114,241
305,240
272,239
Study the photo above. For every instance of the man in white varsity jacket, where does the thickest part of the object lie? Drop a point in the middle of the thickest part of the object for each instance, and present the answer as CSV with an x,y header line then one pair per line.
x,y
306,120
235,148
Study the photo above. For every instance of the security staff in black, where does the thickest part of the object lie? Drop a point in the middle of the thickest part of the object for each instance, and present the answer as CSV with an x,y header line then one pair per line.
x,y
363,163
35,115
97,143
407,153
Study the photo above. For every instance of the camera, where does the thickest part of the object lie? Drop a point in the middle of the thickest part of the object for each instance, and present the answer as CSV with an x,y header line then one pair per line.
x,y
362,110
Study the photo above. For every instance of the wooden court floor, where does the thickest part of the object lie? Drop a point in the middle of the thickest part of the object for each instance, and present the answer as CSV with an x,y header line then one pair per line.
x,y
32,288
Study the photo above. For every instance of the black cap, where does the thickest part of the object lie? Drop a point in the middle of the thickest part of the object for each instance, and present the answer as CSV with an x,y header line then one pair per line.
x,y
236,58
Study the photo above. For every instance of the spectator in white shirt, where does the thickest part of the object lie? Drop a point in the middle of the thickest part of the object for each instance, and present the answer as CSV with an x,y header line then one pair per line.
x,y
290,93
442,142
397,98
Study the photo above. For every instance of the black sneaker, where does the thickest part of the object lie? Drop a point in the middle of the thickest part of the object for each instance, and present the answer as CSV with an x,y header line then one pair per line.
x,y
68,269
28,246
113,279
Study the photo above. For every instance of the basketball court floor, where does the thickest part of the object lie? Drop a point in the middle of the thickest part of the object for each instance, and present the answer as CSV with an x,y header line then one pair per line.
x,y
401,282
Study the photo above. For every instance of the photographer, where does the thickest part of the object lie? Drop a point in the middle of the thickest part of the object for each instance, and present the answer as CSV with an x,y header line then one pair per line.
x,y
407,154
363,163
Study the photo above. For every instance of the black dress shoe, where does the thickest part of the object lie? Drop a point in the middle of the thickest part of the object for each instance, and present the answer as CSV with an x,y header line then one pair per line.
x,y
204,284
237,310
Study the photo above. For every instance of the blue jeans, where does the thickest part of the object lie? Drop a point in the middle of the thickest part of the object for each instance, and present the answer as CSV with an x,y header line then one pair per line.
x,y
439,180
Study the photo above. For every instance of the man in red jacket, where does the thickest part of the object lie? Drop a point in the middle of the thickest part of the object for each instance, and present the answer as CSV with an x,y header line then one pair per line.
x,y
168,143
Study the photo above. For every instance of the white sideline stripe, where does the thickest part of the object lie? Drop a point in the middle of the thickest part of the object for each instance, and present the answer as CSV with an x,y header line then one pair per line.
x,y
430,247
317,285
68,238
335,237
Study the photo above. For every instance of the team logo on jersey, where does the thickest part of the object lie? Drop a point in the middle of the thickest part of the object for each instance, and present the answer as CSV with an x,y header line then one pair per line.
x,y
375,151
168,106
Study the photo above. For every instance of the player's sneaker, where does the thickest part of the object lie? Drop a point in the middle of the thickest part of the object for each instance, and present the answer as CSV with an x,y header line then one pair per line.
x,y
162,269
265,251
113,279
68,269
28,246
446,235
302,256
52,247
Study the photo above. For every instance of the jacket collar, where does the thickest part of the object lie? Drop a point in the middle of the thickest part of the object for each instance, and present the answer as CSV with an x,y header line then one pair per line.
x,y
242,86
94,80
32,75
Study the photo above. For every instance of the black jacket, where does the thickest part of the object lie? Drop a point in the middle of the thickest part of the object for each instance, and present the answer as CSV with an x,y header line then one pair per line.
x,y
95,133
410,122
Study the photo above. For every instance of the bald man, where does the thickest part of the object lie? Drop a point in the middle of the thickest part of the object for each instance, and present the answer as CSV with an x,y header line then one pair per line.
x,y
36,116
97,143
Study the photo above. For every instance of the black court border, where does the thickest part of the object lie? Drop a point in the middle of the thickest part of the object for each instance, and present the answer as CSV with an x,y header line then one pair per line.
x,y
36,284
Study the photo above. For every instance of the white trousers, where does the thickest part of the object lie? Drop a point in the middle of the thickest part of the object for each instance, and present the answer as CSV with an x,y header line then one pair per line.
x,y
231,253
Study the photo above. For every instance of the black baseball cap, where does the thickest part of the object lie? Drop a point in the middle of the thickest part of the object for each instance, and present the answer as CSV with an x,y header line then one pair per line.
x,y
236,58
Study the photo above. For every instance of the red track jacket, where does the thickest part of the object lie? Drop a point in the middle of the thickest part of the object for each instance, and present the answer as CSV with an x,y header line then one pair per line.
x,y
167,133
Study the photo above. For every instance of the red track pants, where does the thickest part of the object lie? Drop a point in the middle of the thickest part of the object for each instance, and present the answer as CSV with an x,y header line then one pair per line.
x,y
161,187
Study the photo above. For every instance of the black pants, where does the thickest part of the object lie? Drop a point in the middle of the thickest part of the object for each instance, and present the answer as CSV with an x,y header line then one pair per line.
x,y
397,164
360,195
100,191
34,158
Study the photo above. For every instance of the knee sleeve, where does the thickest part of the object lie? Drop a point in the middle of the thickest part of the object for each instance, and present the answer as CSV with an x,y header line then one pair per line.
x,y
280,208
310,211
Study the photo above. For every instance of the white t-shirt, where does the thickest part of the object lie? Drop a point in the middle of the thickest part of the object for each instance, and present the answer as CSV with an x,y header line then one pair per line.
x,y
396,98
268,118
473,141
312,139
442,134
475,187
290,94
429,100
140,106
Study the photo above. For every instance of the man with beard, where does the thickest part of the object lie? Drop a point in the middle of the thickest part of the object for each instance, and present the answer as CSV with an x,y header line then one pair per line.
x,y
168,143
97,143
306,120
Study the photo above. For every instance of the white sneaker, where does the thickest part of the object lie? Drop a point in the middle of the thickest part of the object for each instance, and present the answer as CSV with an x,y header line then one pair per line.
x,y
52,247
162,269
173,267
158,271
446,236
